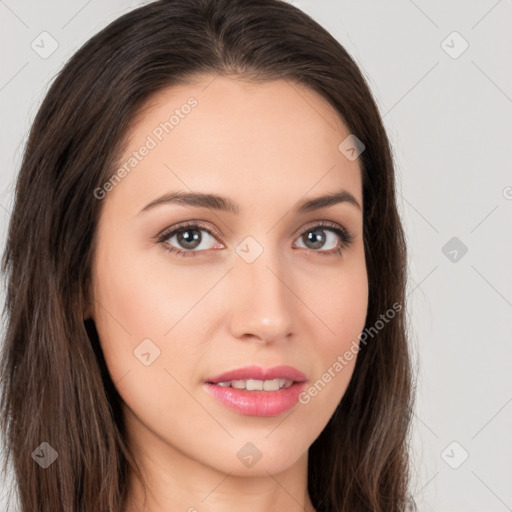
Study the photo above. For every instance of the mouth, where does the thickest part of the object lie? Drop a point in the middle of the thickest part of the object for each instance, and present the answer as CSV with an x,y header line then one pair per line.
x,y
255,391
256,384
257,378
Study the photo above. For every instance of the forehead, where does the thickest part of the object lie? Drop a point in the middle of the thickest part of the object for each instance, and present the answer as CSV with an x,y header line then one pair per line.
x,y
252,140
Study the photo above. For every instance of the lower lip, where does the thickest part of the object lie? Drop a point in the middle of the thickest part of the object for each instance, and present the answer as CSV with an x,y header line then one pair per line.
x,y
257,403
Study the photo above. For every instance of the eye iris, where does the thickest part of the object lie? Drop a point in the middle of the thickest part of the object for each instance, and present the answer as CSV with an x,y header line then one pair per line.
x,y
184,238
318,240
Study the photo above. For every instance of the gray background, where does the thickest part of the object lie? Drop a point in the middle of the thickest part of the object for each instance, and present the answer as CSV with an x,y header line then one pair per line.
x,y
448,115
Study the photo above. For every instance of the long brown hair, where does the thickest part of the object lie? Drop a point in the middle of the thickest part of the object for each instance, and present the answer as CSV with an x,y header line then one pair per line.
x,y
56,387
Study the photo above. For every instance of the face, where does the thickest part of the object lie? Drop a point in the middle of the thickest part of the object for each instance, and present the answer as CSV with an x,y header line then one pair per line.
x,y
264,283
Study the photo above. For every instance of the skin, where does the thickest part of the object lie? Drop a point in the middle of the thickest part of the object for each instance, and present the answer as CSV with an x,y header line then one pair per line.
x,y
265,146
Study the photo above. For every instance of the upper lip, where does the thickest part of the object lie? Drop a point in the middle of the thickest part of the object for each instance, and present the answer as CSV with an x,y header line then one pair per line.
x,y
259,373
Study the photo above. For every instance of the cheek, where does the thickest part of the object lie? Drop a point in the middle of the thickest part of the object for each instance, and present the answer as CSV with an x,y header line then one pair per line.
x,y
140,307
138,315
341,305
341,309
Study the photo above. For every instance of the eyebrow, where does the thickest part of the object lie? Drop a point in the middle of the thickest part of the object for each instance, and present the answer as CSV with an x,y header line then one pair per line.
x,y
216,202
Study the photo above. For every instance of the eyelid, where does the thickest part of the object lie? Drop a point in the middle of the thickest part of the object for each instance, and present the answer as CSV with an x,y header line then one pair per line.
x,y
323,223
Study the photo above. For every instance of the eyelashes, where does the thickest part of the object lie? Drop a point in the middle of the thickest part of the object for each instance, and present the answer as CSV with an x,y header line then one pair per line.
x,y
345,238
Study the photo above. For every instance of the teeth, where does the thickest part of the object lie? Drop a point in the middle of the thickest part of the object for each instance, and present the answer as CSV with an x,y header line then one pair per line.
x,y
258,385
238,384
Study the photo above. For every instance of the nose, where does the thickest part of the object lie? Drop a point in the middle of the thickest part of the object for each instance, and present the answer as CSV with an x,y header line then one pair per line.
x,y
262,300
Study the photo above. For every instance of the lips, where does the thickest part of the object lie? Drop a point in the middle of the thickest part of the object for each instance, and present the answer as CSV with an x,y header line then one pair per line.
x,y
259,373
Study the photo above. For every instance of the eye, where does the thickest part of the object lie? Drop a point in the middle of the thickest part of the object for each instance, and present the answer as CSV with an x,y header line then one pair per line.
x,y
188,236
327,233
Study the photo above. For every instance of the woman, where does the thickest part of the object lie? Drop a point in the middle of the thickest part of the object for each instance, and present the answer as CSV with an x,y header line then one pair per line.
x,y
206,273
